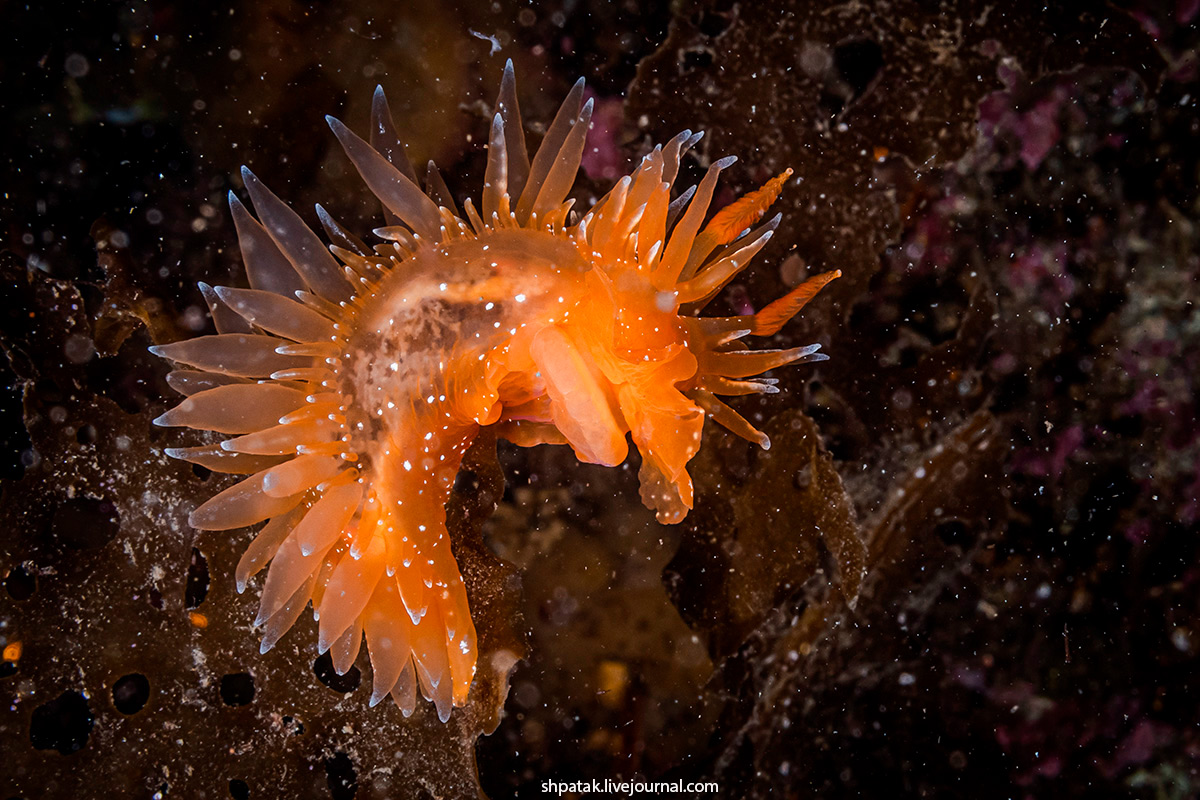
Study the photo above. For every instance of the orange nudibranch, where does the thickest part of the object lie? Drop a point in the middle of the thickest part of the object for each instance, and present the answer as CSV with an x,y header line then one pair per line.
x,y
350,379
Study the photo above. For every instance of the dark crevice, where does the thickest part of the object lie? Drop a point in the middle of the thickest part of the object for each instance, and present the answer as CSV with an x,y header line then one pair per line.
x,y
340,776
63,724
326,674
20,584
130,693
237,689
197,580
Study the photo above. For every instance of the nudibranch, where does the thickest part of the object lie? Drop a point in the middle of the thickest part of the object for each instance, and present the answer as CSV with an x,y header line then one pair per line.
x,y
350,379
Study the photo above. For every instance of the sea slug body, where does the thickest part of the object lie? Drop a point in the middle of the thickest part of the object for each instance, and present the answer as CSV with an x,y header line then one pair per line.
x,y
351,379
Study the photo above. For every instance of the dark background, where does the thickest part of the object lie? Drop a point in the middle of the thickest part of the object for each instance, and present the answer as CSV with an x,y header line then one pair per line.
x,y
967,567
